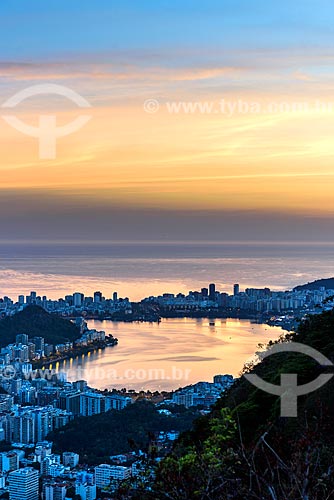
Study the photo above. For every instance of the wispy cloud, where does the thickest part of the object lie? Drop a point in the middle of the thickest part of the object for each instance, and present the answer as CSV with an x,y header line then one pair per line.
x,y
32,72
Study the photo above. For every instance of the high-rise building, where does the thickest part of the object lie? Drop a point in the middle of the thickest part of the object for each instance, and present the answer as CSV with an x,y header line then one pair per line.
x,y
97,297
48,349
39,343
22,338
236,289
81,324
69,299
115,297
91,403
6,402
117,402
43,424
27,394
79,385
33,297
21,352
9,461
23,484
77,299
23,429
104,473
16,385
85,486
70,459
47,464
186,399
70,401
43,449
31,350
55,491
212,291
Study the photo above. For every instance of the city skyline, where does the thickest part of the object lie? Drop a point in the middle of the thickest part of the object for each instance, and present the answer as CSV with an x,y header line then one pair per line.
x,y
166,250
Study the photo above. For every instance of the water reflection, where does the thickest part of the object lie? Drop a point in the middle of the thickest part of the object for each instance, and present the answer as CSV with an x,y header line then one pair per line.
x,y
170,354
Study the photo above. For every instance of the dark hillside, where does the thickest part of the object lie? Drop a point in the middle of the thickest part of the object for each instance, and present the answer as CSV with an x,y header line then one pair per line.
x,y
245,450
328,283
36,322
96,438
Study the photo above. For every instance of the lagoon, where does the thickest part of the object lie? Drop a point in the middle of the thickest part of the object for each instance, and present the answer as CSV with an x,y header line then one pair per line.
x,y
170,354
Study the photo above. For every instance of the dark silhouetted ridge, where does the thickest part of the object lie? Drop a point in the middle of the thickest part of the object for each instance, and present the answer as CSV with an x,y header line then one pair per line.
x,y
36,322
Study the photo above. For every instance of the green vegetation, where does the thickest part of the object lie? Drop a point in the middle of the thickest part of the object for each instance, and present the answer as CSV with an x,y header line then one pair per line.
x,y
36,322
245,450
96,438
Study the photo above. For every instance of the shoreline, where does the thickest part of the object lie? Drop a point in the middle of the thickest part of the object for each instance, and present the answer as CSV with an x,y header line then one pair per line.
x,y
111,341
50,364
74,353
287,325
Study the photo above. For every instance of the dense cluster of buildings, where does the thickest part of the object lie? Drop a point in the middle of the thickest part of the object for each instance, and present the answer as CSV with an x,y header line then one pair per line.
x,y
251,300
37,472
39,401
36,402
44,474
203,394
70,305
26,428
26,424
33,404
61,476
26,350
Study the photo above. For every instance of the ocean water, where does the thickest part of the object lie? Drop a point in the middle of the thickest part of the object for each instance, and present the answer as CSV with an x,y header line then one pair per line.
x,y
175,352
139,270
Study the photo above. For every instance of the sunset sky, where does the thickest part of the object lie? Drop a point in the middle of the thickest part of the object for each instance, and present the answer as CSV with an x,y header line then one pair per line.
x,y
257,164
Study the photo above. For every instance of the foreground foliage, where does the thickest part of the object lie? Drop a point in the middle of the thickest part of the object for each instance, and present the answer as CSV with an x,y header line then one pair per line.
x,y
245,450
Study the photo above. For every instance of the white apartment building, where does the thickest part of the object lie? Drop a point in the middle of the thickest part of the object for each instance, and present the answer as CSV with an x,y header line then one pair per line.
x,y
104,473
23,484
